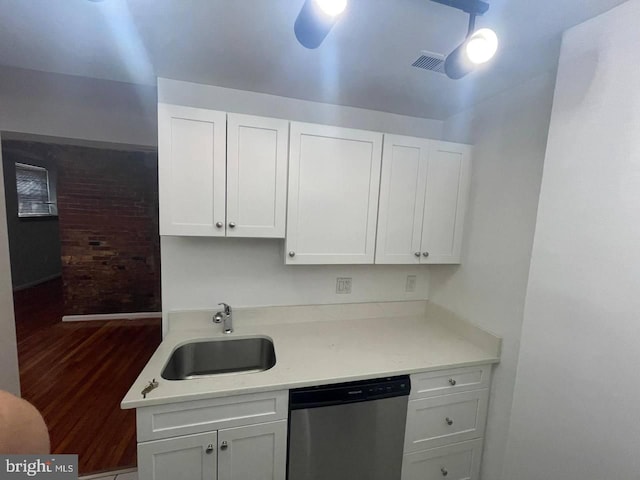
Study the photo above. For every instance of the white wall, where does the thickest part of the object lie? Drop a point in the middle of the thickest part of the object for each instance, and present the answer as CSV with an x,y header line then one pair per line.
x,y
200,272
76,107
242,101
197,273
509,132
9,377
575,412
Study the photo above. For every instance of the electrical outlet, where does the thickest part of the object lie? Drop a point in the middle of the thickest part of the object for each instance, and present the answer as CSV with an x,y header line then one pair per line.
x,y
411,284
343,285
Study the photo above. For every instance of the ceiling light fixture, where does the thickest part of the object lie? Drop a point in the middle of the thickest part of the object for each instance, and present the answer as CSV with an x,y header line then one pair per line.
x,y
316,19
331,7
482,46
478,47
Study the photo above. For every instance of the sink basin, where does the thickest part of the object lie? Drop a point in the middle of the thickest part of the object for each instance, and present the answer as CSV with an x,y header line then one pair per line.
x,y
220,357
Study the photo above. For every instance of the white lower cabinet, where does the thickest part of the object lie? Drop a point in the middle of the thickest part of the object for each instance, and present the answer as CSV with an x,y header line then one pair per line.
x,y
435,384
252,452
256,452
446,418
460,461
192,457
243,437
440,420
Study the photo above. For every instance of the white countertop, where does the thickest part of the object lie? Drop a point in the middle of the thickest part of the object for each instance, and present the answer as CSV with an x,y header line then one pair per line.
x,y
317,345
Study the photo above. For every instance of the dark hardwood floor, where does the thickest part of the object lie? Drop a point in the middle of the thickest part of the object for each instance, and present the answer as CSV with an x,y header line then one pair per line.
x,y
76,373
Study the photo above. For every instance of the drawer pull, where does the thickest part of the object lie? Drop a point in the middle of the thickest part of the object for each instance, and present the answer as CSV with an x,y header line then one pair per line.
x,y
449,421
224,445
452,382
444,472
209,448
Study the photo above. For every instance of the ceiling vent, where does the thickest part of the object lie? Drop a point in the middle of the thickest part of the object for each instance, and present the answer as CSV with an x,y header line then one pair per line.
x,y
430,61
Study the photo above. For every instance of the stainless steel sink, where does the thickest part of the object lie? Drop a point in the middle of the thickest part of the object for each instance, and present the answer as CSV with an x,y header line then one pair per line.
x,y
220,357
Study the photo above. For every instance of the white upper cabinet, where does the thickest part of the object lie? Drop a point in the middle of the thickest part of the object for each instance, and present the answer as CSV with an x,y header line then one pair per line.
x,y
191,170
423,197
445,205
245,176
402,187
221,175
256,176
334,176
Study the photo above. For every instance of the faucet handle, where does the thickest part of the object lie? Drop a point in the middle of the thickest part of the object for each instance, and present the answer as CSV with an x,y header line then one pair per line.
x,y
227,308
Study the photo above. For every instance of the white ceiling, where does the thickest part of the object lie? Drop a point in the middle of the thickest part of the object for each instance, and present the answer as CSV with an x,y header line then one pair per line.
x,y
249,44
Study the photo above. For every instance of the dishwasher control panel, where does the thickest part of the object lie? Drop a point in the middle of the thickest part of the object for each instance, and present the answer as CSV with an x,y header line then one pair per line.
x,y
360,391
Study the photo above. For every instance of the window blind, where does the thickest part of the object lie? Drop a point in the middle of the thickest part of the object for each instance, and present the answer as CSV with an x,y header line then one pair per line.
x,y
33,190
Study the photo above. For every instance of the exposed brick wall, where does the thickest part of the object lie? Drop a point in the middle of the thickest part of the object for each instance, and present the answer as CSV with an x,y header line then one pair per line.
x,y
108,216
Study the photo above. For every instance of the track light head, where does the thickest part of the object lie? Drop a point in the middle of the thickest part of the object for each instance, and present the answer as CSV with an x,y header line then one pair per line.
x,y
457,64
316,19
478,47
481,46
332,8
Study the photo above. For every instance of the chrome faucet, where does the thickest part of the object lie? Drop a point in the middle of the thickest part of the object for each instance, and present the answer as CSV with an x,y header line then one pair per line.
x,y
224,316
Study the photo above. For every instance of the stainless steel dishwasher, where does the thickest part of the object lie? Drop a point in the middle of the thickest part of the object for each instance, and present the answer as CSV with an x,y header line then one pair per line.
x,y
348,431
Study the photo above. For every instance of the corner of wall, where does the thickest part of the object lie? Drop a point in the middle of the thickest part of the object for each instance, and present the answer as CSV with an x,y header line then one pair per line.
x,y
9,375
509,134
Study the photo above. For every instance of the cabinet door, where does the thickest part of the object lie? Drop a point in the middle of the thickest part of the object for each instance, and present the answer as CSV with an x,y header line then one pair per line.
x,y
448,175
402,187
255,452
192,457
191,170
334,176
256,176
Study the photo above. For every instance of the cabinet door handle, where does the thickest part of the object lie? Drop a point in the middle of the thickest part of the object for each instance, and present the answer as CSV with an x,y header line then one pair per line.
x,y
292,254
209,448
449,421
444,471
232,225
219,224
417,254
425,254
452,382
224,445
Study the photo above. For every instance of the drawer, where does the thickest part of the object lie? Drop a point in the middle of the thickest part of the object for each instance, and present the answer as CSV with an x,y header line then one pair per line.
x,y
436,421
186,418
432,384
460,461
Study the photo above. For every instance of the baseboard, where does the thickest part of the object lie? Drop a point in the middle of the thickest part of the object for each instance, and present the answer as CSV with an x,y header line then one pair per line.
x,y
111,316
36,282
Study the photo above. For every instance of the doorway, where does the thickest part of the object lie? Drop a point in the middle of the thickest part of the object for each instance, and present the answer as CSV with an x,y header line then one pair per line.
x,y
84,248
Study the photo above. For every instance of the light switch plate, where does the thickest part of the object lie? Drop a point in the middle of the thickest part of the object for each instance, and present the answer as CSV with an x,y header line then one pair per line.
x,y
343,285
411,284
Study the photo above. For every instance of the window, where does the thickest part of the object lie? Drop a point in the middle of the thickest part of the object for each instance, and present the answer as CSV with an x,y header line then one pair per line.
x,y
33,191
